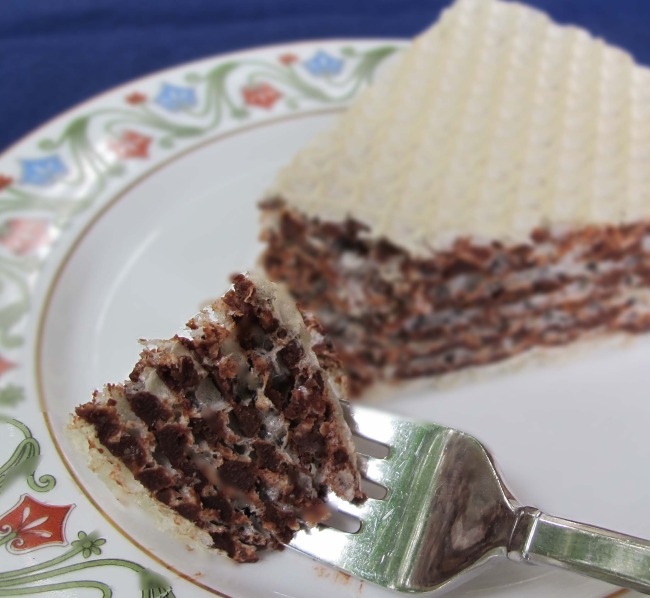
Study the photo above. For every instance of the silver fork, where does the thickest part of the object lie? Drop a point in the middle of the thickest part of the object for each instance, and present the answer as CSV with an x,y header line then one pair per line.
x,y
447,511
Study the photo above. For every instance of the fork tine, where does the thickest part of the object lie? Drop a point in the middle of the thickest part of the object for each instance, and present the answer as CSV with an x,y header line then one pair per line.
x,y
381,550
369,423
366,553
373,469
323,543
447,512
358,511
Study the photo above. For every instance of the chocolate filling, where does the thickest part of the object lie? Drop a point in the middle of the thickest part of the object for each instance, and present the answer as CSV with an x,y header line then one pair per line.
x,y
233,426
392,315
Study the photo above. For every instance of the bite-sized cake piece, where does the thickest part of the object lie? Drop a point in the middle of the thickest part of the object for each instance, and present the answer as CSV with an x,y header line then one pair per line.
x,y
235,424
489,194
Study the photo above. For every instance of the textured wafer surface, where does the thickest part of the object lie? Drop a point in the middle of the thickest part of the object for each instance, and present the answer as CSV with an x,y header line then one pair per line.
x,y
494,122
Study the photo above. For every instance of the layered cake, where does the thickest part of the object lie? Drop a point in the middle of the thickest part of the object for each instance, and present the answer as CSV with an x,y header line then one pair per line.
x,y
488,195
234,425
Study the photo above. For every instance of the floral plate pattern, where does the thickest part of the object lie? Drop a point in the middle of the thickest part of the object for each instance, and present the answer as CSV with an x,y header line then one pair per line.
x,y
50,184
54,185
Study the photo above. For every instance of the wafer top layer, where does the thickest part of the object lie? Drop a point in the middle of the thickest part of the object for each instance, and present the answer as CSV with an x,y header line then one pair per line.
x,y
494,122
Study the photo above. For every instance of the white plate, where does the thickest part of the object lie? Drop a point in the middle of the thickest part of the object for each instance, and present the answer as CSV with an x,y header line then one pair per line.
x,y
149,192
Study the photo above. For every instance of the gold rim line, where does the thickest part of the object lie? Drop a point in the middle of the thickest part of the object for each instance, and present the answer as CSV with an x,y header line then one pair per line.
x,y
44,313
55,280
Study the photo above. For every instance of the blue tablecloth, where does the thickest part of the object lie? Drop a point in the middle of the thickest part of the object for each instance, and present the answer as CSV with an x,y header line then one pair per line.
x,y
56,53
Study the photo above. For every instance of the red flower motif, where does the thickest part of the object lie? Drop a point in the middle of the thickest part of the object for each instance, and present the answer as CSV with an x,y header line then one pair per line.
x,y
288,59
24,235
5,365
5,181
131,145
32,524
262,95
136,98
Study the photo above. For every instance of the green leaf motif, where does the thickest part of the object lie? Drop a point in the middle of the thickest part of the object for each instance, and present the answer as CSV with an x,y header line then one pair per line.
x,y
167,142
88,544
24,461
90,169
10,315
41,577
11,395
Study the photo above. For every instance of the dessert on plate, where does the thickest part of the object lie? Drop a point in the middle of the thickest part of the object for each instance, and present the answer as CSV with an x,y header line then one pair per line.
x,y
233,426
488,195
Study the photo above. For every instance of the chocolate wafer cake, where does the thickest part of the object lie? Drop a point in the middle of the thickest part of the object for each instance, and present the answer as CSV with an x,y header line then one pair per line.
x,y
234,424
488,195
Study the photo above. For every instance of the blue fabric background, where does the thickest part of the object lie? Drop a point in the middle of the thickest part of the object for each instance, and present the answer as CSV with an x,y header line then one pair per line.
x,y
56,53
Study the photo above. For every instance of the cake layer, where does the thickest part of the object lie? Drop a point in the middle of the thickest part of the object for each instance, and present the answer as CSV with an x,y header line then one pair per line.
x,y
495,122
235,424
394,316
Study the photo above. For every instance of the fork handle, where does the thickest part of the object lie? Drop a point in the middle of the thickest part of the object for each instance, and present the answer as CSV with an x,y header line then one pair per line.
x,y
593,551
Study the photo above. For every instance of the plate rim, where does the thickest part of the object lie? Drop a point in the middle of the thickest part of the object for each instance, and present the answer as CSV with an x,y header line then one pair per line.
x,y
47,123
50,266
38,313
45,312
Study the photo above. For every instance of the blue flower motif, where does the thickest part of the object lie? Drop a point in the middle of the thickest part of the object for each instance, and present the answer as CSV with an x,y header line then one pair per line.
x,y
42,171
323,64
175,98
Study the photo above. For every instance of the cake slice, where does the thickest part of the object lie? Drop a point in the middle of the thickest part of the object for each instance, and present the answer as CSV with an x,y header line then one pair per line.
x,y
488,195
235,424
